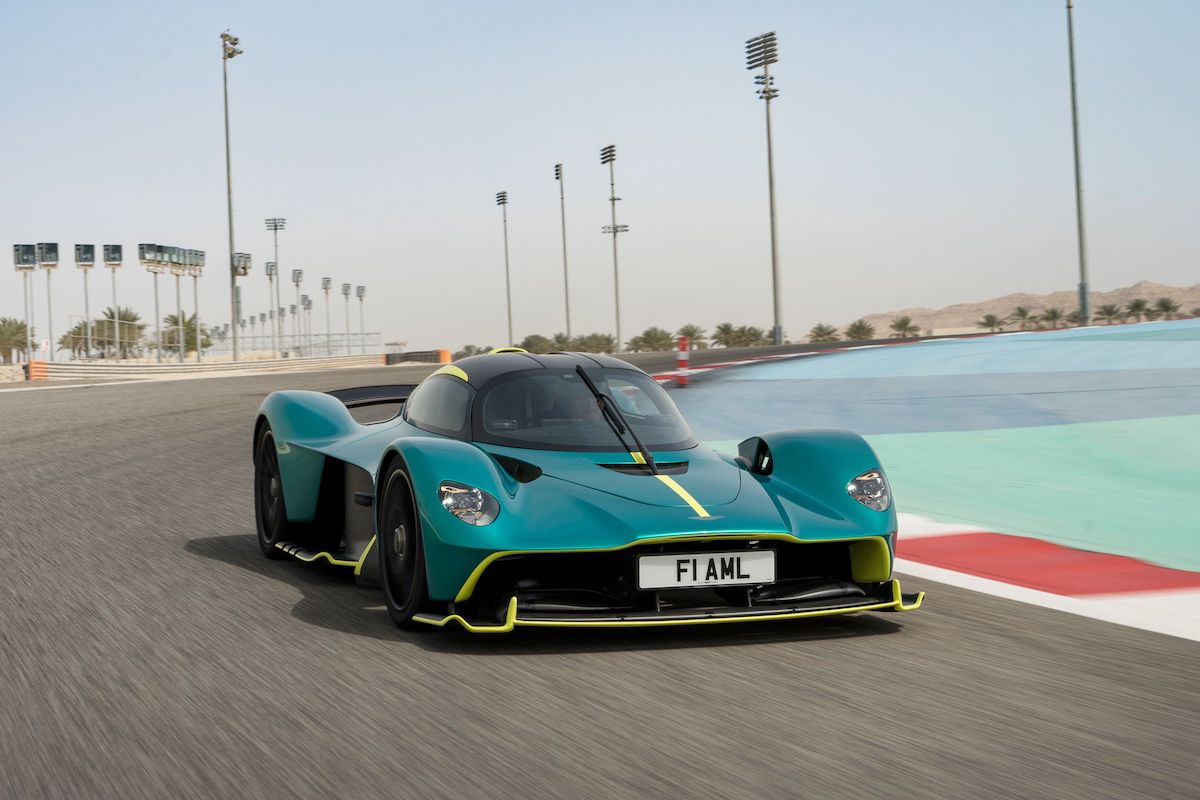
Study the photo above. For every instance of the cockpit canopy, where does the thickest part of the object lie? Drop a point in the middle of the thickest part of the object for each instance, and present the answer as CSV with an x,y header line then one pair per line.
x,y
549,408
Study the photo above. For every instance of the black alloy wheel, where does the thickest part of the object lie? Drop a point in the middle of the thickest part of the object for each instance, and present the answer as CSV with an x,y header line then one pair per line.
x,y
401,555
270,513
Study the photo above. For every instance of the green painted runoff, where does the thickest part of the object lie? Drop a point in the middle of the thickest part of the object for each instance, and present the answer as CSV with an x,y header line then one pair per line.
x,y
1128,487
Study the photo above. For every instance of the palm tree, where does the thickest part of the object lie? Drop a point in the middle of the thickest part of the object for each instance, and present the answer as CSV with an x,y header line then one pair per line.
x,y
1166,307
120,340
1137,309
991,322
695,335
860,331
171,325
12,340
536,343
561,342
1076,318
1052,317
1023,317
654,339
822,333
597,343
723,335
751,336
74,340
471,350
904,328
1109,313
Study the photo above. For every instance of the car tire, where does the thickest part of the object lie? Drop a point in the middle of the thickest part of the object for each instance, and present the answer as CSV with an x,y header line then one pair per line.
x,y
401,551
270,512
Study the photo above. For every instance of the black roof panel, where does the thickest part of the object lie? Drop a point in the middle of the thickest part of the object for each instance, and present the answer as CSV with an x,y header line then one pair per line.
x,y
482,368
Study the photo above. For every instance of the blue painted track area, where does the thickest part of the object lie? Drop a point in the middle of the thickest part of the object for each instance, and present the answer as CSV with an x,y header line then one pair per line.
x,y
1029,379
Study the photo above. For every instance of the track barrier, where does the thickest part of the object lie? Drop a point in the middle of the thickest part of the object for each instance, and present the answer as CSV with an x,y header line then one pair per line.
x,y
84,370
423,356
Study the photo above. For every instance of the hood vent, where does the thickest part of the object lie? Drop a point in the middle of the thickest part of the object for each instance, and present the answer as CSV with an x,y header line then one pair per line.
x,y
664,468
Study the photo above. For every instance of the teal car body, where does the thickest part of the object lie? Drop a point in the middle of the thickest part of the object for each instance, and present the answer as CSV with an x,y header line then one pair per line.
x,y
571,524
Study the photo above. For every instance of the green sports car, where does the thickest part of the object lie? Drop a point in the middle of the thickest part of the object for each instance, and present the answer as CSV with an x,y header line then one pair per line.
x,y
513,489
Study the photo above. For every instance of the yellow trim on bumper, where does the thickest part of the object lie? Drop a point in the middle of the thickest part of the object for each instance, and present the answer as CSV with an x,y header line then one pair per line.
x,y
363,558
293,551
870,560
511,620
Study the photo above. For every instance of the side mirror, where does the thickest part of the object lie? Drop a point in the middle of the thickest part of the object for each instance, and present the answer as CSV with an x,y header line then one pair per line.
x,y
755,456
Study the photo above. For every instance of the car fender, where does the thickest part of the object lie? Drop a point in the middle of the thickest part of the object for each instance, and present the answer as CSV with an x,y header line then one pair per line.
x,y
809,471
452,547
304,425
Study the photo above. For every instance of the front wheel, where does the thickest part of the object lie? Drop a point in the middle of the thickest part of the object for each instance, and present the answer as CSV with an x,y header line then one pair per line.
x,y
270,513
401,554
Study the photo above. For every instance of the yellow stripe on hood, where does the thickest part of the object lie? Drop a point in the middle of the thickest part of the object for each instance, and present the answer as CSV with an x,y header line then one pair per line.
x,y
674,486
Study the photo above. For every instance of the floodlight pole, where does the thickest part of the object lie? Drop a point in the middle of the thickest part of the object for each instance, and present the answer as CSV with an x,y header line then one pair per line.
x,y
761,53
612,200
562,205
25,295
326,284
1084,310
777,332
180,327
270,297
196,312
87,317
346,294
229,50
502,201
608,155
362,324
157,321
295,322
306,323
274,329
117,317
49,314
275,225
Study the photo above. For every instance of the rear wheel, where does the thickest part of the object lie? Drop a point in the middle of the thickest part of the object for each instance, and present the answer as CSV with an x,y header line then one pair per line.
x,y
401,553
270,512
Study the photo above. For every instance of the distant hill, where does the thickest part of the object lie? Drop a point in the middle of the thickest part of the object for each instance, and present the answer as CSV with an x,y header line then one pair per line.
x,y
965,315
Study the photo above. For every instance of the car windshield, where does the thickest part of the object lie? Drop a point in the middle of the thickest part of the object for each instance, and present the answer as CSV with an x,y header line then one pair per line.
x,y
554,410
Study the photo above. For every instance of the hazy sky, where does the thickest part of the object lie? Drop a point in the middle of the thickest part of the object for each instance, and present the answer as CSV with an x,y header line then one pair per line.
x,y
923,153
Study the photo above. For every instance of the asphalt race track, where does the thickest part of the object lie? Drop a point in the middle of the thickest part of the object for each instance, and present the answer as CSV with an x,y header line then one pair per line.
x,y
148,650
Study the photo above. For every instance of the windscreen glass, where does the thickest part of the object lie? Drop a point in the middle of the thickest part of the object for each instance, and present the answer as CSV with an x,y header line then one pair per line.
x,y
554,410
441,404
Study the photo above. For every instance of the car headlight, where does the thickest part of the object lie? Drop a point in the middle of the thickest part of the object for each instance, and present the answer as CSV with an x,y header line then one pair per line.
x,y
871,489
473,506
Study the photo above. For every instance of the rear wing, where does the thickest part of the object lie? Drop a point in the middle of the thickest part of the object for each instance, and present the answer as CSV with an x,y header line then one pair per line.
x,y
369,404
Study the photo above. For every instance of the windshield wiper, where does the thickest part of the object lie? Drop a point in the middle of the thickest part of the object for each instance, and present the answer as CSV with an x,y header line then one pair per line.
x,y
616,420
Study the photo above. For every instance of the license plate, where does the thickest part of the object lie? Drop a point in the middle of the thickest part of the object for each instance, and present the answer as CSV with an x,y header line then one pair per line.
x,y
678,570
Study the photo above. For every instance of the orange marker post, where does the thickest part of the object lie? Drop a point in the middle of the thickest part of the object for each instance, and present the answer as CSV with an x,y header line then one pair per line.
x,y
681,362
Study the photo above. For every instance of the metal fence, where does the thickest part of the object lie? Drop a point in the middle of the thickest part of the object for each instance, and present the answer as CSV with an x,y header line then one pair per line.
x,y
134,346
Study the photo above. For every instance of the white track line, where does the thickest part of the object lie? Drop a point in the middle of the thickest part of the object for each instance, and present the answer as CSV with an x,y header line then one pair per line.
x,y
915,526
